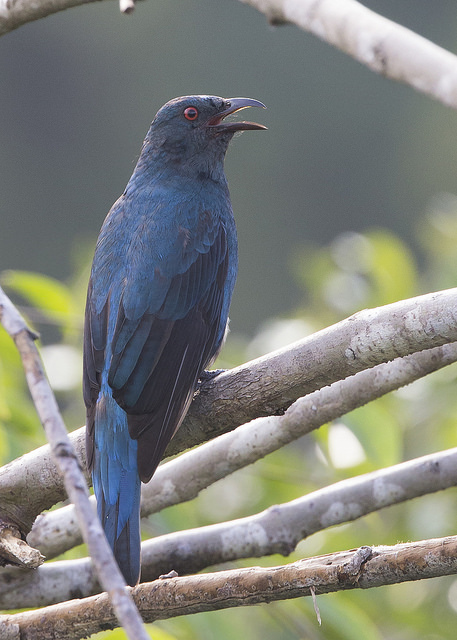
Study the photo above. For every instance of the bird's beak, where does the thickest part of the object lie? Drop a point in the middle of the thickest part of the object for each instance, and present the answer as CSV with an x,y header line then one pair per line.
x,y
233,105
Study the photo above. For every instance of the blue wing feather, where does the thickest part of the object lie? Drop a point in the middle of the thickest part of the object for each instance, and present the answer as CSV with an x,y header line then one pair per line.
x,y
154,305
155,316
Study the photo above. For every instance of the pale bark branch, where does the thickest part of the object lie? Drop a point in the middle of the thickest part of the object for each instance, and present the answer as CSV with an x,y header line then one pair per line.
x,y
184,477
365,568
267,386
365,338
65,459
15,13
383,46
278,529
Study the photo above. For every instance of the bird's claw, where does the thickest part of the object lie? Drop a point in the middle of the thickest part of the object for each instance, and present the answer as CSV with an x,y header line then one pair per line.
x,y
207,376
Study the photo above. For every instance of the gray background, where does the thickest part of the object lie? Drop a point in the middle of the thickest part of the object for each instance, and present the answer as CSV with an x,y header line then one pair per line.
x,y
345,150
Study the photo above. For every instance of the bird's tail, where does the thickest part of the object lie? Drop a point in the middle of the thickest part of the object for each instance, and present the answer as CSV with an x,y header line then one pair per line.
x,y
117,485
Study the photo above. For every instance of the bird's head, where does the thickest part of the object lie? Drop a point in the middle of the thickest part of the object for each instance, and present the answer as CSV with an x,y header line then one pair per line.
x,y
193,130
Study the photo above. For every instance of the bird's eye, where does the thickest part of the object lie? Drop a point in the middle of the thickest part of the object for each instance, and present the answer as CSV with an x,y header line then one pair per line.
x,y
191,113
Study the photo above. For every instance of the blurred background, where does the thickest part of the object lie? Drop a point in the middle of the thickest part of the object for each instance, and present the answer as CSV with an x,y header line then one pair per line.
x,y
346,149
347,201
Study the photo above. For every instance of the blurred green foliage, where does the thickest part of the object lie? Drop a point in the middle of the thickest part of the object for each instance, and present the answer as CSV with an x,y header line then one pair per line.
x,y
355,271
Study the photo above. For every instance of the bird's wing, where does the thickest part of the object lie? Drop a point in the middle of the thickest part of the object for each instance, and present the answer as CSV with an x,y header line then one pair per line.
x,y
166,332
95,328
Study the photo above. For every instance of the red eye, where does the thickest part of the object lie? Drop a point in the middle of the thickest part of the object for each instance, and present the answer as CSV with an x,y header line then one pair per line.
x,y
191,113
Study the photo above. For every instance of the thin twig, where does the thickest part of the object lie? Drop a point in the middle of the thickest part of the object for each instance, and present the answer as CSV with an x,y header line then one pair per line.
x,y
67,462
127,6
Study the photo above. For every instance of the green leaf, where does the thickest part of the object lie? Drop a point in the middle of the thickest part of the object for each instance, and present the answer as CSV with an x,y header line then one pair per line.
x,y
48,295
377,427
392,269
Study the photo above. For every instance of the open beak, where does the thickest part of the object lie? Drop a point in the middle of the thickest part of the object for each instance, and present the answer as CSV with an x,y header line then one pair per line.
x,y
233,105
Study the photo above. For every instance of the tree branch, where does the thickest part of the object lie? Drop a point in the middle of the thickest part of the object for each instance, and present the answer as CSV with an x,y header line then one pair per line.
x,y
364,568
278,529
268,386
15,13
65,459
383,46
260,534
177,481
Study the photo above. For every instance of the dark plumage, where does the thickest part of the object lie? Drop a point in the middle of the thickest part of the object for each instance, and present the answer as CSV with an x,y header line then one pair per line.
x,y
157,305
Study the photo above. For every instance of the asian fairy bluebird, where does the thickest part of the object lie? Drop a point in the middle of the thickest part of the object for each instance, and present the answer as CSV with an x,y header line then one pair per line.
x,y
157,305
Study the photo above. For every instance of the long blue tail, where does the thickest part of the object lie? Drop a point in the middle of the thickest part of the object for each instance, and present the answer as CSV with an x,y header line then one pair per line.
x,y
117,485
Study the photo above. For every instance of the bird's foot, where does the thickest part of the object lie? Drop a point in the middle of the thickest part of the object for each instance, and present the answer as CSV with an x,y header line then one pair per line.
x,y
207,376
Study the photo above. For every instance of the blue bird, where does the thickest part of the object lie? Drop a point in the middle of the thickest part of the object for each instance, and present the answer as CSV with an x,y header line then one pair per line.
x,y
157,307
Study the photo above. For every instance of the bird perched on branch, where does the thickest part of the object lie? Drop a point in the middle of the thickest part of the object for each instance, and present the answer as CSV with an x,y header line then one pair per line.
x,y
157,305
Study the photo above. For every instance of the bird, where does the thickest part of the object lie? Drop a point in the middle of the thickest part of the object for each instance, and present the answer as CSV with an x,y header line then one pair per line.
x,y
157,306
